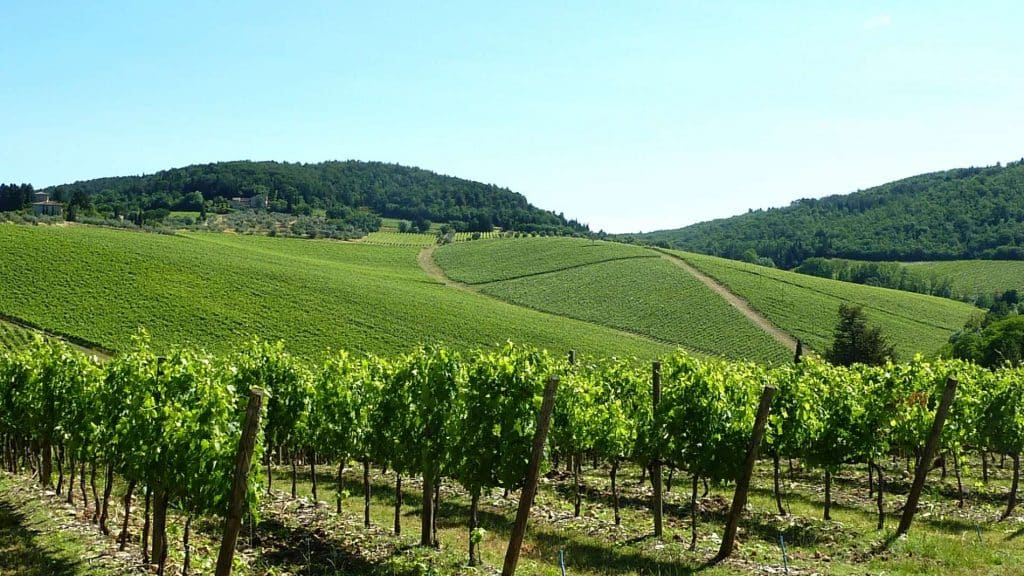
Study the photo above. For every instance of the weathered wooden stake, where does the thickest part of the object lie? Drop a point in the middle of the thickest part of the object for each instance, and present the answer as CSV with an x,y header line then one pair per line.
x,y
366,493
656,464
515,543
398,504
921,471
739,499
236,505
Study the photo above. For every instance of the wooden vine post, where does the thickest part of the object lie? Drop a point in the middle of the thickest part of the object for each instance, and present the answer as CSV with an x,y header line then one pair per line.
x,y
932,446
656,463
739,499
240,485
515,542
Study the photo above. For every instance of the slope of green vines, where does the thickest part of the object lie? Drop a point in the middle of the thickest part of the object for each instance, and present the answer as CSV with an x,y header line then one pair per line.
x,y
617,285
806,306
494,260
214,290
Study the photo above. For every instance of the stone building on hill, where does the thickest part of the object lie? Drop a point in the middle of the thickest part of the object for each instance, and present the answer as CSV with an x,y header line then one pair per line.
x,y
43,206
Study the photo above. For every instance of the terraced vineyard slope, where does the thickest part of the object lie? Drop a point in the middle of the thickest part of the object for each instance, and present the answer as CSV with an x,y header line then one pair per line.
x,y
216,290
806,306
617,285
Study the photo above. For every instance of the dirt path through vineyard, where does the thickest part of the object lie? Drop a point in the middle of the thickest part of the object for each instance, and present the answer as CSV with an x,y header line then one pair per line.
x,y
426,262
736,302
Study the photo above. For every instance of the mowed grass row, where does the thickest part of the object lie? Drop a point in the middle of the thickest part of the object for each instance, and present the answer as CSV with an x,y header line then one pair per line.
x,y
484,261
807,306
218,291
617,285
976,277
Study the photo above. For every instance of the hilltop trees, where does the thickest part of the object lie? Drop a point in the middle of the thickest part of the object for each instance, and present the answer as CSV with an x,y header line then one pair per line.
x,y
355,192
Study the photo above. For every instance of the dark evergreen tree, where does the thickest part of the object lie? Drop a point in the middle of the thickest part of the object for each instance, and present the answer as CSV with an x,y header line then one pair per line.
x,y
855,342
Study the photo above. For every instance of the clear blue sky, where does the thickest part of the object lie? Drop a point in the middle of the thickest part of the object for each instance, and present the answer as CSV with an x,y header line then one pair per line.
x,y
626,115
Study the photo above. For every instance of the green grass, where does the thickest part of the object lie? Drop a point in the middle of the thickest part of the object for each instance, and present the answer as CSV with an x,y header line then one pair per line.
x,y
625,287
34,540
219,290
976,277
400,239
807,306
482,261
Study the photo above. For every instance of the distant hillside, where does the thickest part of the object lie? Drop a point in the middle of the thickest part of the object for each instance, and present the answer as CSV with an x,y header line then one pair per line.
x,y
388,190
643,292
969,213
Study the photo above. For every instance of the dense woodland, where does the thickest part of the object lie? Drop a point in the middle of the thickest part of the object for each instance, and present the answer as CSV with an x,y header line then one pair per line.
x,y
344,190
967,213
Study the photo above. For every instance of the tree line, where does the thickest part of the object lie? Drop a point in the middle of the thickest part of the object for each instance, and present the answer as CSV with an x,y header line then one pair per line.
x,y
16,196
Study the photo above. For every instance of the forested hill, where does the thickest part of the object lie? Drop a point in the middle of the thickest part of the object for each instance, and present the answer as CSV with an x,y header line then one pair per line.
x,y
388,190
968,213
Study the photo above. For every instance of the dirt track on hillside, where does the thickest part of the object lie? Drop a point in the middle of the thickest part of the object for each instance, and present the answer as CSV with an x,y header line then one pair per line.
x,y
736,302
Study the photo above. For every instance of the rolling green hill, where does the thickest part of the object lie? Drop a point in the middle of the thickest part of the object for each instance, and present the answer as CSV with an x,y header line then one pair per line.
x,y
602,298
967,213
340,189
806,306
219,290
626,287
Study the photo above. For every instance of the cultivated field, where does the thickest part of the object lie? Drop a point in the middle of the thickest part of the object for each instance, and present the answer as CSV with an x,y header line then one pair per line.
x,y
385,238
216,290
806,306
626,287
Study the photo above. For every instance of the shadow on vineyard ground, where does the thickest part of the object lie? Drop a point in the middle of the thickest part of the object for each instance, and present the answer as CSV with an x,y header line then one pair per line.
x,y
20,552
314,551
711,510
599,557
867,513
